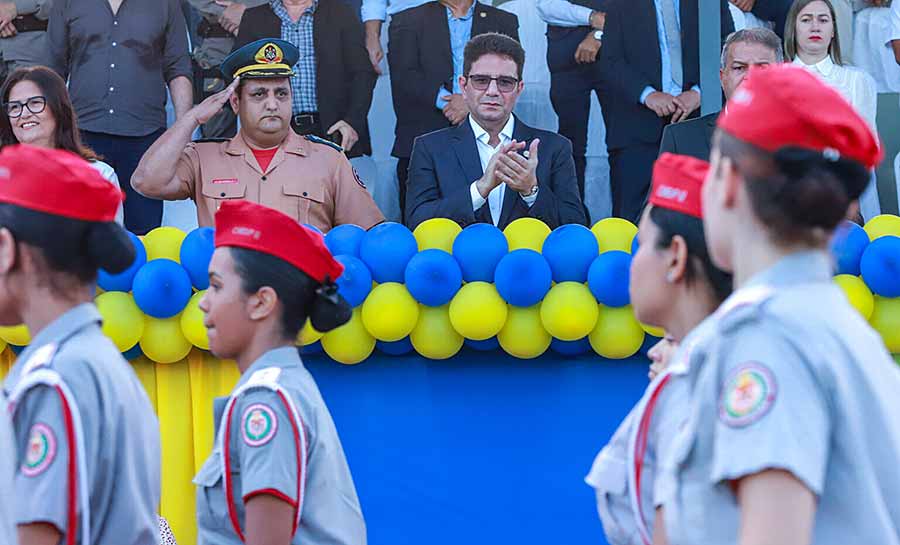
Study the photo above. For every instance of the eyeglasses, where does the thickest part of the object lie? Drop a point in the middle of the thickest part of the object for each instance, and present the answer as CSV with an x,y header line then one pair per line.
x,y
35,105
505,84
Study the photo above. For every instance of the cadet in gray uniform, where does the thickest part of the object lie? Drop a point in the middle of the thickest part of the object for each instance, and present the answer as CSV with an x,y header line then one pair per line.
x,y
7,472
86,438
792,436
24,41
674,285
277,473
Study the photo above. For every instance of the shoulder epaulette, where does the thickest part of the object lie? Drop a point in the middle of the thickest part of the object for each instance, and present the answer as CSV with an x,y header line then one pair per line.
x,y
329,143
211,140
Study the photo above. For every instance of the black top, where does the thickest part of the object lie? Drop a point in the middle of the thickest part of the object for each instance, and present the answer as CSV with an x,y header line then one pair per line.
x,y
118,65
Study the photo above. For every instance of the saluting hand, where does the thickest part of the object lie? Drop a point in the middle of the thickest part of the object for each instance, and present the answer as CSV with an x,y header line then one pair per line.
x,y
517,172
203,112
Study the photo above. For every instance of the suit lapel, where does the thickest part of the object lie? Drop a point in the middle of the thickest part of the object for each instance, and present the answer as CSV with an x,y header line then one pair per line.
x,y
463,143
481,20
521,133
439,32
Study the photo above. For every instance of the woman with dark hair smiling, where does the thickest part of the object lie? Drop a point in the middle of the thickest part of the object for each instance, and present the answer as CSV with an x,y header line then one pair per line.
x,y
39,112
277,473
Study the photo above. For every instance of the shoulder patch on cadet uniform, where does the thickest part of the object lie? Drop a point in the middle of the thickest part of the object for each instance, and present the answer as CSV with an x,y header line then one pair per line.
x,y
329,143
747,394
265,376
41,357
358,179
258,424
41,450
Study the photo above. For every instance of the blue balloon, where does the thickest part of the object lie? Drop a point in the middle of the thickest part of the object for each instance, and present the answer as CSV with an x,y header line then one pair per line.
x,y
478,249
124,280
312,349
847,246
162,288
433,277
196,253
386,249
396,348
608,278
880,266
16,348
570,348
635,245
355,282
313,228
570,250
345,240
134,353
523,278
487,345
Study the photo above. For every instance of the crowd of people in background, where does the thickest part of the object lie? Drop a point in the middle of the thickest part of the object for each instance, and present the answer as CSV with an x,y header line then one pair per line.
x,y
122,60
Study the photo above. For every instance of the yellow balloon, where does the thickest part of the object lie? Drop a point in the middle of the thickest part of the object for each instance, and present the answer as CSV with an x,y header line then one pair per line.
x,y
390,312
438,233
614,234
886,321
3,345
523,335
123,321
477,311
618,335
885,224
163,341
857,293
350,343
308,334
434,336
569,311
164,243
192,322
653,330
526,233
17,335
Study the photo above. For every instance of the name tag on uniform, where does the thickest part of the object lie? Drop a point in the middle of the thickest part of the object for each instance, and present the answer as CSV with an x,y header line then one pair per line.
x,y
225,181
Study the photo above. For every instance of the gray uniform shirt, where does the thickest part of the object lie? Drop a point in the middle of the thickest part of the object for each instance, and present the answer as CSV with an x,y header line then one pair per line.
x,y
263,460
795,380
121,436
610,473
7,472
28,48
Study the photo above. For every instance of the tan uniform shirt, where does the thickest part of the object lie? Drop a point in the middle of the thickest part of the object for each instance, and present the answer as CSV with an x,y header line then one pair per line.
x,y
306,180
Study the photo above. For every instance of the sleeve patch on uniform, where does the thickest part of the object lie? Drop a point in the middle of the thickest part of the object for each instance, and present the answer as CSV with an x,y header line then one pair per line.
x,y
258,424
358,179
41,450
747,395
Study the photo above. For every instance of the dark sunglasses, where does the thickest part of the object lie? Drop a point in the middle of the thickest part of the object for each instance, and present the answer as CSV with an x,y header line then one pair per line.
x,y
35,105
505,84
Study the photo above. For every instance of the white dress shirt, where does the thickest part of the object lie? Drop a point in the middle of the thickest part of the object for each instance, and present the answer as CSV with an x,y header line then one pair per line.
x,y
563,13
372,10
485,153
854,84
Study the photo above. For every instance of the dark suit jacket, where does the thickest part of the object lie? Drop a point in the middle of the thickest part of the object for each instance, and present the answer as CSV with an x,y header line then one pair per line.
x,y
345,78
630,62
444,164
692,137
421,62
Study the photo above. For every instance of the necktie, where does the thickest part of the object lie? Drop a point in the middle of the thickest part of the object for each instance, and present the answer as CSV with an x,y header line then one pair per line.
x,y
673,40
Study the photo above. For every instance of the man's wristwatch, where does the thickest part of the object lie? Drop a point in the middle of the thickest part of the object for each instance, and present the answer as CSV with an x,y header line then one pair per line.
x,y
598,35
532,193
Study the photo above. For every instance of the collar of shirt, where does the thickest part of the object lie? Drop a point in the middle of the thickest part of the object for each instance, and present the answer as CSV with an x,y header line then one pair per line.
x,y
282,13
284,357
293,143
824,67
466,17
482,135
797,268
60,329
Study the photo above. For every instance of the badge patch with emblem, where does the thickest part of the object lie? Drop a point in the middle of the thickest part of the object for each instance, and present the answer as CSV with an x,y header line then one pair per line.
x,y
41,450
258,424
747,395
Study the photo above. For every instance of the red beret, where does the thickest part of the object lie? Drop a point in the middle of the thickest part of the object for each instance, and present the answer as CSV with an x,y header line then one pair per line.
x,y
56,182
785,105
244,224
677,181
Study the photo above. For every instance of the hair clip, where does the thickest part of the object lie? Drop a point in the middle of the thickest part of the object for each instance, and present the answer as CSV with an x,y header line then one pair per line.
x,y
831,154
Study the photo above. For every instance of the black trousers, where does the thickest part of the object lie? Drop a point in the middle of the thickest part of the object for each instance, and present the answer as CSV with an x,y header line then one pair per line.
x,y
402,176
630,171
123,153
570,94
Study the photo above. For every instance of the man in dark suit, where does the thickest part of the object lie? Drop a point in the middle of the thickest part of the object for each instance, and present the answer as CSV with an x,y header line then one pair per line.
x,y
333,82
425,55
492,168
743,50
651,70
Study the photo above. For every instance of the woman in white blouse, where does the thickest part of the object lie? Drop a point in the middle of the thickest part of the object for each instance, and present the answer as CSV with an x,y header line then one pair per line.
x,y
811,41
39,112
